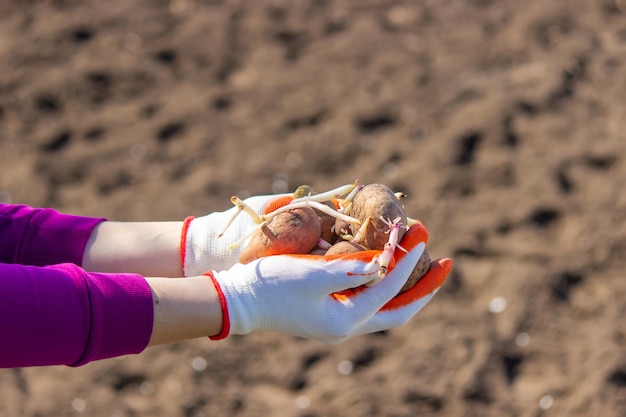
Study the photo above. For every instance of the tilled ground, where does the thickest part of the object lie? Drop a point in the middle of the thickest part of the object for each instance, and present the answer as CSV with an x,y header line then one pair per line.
x,y
503,121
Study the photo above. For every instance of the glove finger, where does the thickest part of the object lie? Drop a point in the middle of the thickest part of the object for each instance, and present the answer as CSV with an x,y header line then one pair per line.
x,y
343,273
390,319
424,288
416,235
368,300
317,273
405,306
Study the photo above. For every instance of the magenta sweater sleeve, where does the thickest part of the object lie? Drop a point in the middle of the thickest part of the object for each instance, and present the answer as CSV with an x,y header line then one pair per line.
x,y
62,315
51,310
42,236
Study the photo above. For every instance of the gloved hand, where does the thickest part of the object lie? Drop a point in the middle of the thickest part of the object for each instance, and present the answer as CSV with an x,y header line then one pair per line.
x,y
325,298
201,248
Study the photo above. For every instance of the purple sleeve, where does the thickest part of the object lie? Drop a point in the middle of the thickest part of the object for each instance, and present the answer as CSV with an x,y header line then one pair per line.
x,y
40,237
63,315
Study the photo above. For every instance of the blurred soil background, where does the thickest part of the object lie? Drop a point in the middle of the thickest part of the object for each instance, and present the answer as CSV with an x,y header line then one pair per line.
x,y
503,121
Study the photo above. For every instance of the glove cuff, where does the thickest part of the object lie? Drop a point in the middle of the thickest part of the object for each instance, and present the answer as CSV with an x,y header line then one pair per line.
x,y
201,250
183,241
224,304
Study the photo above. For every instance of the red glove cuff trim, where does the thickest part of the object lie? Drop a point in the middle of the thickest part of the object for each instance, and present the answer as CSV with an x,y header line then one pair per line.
x,y
183,241
225,318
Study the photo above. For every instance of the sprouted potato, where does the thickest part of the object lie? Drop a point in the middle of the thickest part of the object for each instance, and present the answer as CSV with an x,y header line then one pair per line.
x,y
296,231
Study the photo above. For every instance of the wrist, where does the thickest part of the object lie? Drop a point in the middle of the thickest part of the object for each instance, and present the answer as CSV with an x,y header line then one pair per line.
x,y
184,309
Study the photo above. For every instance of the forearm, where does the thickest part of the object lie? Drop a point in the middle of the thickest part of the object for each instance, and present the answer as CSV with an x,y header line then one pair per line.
x,y
183,308
145,248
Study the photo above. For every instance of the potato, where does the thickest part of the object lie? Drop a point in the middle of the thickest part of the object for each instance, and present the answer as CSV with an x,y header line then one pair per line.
x,y
326,221
295,231
377,201
317,251
422,267
343,247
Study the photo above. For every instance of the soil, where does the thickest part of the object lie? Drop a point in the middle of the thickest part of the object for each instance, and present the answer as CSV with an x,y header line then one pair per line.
x,y
503,122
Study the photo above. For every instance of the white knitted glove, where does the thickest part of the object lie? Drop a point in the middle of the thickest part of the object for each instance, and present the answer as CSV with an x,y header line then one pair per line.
x,y
325,298
202,250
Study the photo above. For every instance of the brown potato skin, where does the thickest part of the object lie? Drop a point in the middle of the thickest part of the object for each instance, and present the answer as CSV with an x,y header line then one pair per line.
x,y
422,267
343,247
327,223
295,231
318,251
376,201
